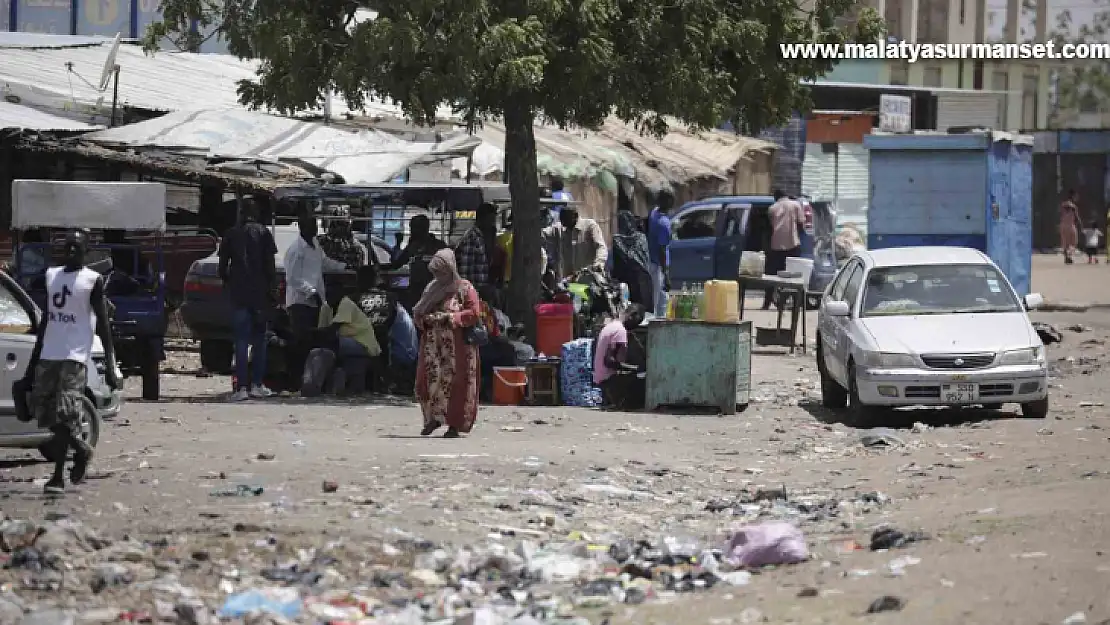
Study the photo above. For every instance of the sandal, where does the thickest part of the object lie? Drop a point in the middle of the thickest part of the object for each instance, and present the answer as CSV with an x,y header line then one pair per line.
x,y
429,428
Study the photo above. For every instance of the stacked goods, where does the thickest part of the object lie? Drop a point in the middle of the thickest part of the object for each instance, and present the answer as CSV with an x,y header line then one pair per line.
x,y
576,377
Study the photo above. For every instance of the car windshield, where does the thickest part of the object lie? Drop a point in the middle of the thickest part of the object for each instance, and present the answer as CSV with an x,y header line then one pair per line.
x,y
937,290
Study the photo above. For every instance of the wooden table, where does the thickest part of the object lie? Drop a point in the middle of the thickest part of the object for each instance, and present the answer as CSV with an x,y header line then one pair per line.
x,y
698,363
792,286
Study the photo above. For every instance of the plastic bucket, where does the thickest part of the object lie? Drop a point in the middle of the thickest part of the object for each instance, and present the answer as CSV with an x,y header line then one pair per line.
x,y
508,385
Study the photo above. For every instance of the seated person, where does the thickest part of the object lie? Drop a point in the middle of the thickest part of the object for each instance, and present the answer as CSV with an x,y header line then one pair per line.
x,y
497,352
357,346
378,304
620,386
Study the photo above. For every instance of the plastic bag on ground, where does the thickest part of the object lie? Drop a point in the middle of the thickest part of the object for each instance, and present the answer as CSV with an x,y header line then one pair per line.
x,y
285,602
766,543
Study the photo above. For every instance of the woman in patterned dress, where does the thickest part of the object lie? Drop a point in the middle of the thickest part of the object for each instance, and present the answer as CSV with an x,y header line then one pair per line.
x,y
448,370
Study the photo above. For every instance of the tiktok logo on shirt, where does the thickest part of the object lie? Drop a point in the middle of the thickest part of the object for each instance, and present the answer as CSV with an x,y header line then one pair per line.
x,y
59,300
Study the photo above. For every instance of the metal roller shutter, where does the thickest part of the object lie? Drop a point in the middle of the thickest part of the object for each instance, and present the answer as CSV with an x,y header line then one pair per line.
x,y
852,181
980,110
818,173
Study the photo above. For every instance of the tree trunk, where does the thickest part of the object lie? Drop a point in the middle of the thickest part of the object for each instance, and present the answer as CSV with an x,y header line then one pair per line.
x,y
524,185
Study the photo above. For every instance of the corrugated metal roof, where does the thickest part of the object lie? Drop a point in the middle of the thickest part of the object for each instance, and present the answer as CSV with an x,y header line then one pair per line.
x,y
36,68
364,157
18,117
618,148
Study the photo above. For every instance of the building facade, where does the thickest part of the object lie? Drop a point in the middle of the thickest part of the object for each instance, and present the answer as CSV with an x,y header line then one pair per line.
x,y
1026,104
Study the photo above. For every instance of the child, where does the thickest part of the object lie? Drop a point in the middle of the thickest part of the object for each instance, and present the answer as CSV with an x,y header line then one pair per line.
x,y
1092,235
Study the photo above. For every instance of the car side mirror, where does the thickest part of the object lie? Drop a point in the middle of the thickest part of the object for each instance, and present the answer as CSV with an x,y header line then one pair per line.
x,y
836,308
1033,301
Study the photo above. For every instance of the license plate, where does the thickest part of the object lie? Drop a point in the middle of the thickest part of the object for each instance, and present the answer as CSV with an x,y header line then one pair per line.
x,y
959,393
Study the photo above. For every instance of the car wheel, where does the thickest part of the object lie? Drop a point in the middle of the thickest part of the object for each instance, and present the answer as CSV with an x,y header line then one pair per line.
x,y
215,356
833,395
150,368
89,430
860,415
1035,409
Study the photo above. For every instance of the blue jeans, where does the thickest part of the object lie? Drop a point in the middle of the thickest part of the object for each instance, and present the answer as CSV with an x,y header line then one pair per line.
x,y
250,333
350,348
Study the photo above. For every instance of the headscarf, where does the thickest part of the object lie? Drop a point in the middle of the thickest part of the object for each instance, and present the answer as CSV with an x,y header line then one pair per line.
x,y
444,284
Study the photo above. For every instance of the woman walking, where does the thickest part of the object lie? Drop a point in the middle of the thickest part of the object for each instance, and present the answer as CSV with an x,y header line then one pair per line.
x,y
447,371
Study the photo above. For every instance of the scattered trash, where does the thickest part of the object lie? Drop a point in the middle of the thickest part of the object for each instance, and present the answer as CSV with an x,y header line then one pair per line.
x,y
881,437
886,603
766,543
1078,618
890,538
240,490
284,602
330,486
1047,332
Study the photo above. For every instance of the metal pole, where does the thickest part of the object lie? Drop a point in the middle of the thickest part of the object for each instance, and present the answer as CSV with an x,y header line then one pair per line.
x,y
115,95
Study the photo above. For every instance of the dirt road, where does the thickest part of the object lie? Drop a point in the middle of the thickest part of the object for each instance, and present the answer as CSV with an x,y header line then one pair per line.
x,y
1016,509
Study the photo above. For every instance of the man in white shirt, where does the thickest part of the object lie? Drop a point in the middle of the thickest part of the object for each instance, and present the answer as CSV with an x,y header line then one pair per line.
x,y
305,264
75,310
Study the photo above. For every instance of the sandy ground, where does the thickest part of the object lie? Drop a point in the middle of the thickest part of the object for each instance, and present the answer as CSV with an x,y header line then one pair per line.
x,y
1016,508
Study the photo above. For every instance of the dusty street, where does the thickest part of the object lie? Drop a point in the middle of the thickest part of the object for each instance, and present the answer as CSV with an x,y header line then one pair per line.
x,y
1015,510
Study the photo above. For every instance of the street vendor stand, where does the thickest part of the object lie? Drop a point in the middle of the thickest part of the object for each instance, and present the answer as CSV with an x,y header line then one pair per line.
x,y
699,363
782,286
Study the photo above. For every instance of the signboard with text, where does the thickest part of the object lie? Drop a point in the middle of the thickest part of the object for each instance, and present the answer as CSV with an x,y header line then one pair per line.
x,y
894,113
43,16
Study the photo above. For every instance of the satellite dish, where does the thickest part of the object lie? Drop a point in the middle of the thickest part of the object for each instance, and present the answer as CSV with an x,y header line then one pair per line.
x,y
110,63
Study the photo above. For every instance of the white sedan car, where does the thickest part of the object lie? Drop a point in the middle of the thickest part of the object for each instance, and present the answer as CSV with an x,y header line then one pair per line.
x,y
936,326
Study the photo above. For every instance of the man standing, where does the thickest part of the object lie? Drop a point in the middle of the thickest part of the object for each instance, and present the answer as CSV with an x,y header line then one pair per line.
x,y
339,243
475,250
56,372
786,217
659,241
247,269
305,264
417,254
574,244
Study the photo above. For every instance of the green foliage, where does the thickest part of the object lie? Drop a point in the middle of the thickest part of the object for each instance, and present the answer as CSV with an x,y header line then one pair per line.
x,y
571,62
1081,86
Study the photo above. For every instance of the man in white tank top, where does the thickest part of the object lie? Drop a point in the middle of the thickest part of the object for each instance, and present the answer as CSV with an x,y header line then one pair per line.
x,y
75,309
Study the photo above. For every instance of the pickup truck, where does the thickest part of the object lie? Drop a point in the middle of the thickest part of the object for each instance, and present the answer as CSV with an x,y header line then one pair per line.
x,y
709,235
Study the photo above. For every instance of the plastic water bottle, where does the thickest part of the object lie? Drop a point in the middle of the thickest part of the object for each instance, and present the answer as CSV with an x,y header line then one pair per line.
x,y
625,294
695,302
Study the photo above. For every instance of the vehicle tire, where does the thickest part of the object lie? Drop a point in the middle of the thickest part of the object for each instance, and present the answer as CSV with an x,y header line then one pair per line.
x,y
90,430
860,415
833,395
151,370
1035,409
216,356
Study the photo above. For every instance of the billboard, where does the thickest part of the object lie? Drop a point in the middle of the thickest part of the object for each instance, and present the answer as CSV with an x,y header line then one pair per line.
x,y
43,16
148,12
